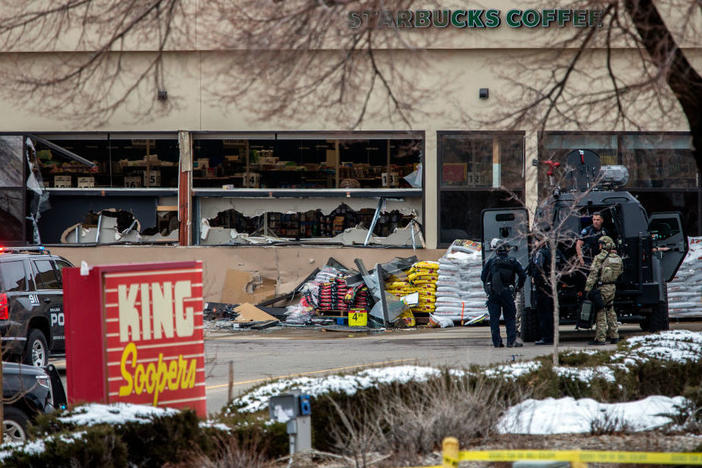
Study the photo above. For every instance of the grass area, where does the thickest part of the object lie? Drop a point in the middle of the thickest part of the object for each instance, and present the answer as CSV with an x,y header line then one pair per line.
x,y
393,416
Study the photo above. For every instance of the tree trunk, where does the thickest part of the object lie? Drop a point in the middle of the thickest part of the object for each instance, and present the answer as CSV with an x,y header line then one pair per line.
x,y
665,54
553,245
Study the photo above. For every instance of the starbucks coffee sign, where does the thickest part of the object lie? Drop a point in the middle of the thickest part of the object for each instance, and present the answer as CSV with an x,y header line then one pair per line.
x,y
474,19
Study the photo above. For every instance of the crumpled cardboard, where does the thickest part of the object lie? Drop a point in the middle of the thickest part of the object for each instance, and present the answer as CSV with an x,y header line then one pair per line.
x,y
250,313
242,286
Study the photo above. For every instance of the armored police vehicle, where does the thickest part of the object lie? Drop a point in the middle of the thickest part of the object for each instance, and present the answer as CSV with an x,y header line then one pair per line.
x,y
652,246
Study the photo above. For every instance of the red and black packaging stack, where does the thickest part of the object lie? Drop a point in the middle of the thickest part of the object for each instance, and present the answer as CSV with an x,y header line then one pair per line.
x,y
361,299
326,296
341,290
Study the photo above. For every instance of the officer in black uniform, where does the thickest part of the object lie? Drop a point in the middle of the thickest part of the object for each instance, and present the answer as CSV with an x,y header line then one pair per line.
x,y
540,271
498,277
587,246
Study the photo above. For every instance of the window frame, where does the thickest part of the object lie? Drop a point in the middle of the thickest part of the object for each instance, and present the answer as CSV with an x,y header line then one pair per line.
x,y
36,273
439,162
58,271
631,189
26,281
21,189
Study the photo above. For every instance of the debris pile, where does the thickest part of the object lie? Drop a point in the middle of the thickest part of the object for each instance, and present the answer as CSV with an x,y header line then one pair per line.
x,y
404,292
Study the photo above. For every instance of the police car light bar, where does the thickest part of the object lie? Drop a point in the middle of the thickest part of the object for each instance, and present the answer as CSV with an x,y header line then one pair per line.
x,y
36,249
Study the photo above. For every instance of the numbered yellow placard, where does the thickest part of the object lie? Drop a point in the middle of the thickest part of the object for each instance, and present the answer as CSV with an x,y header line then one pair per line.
x,y
358,319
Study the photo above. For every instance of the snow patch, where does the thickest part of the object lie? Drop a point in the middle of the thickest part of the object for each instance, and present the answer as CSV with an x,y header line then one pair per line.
x,y
38,446
514,370
258,399
117,413
215,425
682,346
568,415
586,374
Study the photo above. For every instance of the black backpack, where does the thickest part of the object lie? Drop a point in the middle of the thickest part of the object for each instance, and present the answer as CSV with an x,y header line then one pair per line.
x,y
501,275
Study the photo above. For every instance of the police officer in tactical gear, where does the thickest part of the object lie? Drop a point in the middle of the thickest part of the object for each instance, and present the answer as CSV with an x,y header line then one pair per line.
x,y
586,246
600,287
498,278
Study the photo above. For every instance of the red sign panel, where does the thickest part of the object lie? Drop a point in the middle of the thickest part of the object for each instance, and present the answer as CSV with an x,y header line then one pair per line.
x,y
152,329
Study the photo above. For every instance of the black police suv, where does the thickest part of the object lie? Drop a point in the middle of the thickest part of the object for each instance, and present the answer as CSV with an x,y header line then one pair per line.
x,y
31,304
28,391
652,246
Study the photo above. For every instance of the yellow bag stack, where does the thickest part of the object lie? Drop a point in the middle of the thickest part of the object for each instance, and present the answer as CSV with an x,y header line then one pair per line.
x,y
423,276
398,287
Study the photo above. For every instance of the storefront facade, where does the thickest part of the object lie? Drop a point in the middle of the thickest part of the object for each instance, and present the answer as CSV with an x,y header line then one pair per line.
x,y
210,173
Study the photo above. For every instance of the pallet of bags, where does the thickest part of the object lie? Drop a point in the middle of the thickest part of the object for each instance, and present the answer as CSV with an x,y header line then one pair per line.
x,y
459,291
423,277
399,288
685,290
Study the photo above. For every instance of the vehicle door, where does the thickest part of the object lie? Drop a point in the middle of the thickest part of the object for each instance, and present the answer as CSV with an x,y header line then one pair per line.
x,y
21,301
511,225
669,241
51,296
60,264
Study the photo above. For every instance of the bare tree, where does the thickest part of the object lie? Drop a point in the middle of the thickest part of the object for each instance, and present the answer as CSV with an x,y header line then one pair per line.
x,y
632,70
342,59
84,72
299,58
550,230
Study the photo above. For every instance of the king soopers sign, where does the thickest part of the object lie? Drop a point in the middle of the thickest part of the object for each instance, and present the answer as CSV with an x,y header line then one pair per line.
x,y
473,19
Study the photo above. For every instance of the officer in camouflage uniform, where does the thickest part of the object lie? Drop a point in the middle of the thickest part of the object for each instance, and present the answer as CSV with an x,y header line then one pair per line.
x,y
607,266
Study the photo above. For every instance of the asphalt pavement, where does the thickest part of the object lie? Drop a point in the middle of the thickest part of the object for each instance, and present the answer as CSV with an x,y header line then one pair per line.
x,y
259,356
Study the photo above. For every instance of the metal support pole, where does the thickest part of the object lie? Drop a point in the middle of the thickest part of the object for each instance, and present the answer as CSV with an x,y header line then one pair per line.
x,y
376,215
381,288
99,226
230,390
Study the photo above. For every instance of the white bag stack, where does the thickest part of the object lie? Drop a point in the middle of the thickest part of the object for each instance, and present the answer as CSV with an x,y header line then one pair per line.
x,y
685,291
459,291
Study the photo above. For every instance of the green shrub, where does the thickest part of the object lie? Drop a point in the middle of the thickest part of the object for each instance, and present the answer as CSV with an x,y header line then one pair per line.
x,y
165,439
271,438
98,446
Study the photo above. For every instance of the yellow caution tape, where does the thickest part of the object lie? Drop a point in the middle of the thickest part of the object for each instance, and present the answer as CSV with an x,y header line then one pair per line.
x,y
584,456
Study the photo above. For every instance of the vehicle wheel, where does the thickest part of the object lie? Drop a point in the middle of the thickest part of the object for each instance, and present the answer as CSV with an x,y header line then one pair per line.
x,y
14,424
658,319
36,353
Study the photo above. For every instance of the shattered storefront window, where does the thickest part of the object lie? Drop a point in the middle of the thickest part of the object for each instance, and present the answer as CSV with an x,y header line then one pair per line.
x,y
394,224
119,226
12,191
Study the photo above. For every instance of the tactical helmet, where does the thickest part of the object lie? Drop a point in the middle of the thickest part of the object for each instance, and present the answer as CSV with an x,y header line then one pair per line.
x,y
606,242
499,245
